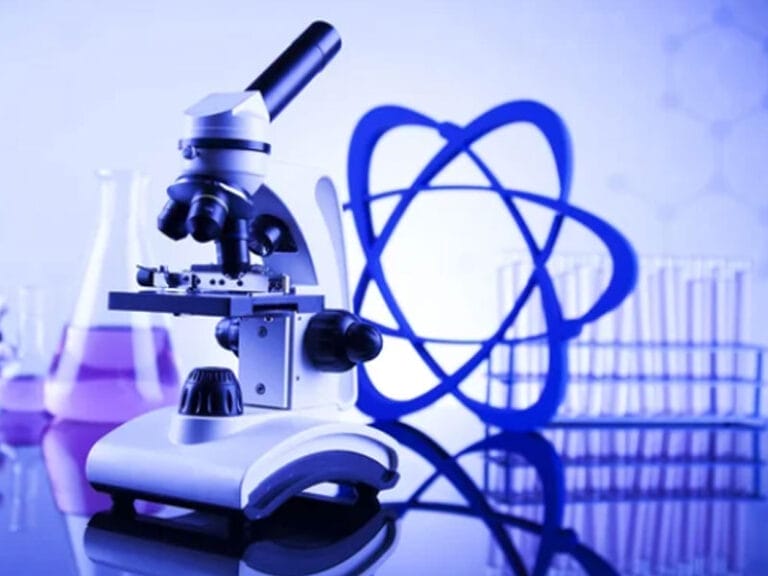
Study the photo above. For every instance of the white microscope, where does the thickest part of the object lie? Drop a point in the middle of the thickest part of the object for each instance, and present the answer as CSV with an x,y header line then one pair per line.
x,y
250,443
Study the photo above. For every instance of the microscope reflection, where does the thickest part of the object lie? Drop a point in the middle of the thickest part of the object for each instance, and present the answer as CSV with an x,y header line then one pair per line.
x,y
304,536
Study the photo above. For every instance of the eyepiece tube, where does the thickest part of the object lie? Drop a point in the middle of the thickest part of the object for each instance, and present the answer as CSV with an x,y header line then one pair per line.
x,y
296,67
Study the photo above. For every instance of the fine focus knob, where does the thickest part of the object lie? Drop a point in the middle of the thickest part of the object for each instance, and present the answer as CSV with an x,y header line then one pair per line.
x,y
211,391
336,341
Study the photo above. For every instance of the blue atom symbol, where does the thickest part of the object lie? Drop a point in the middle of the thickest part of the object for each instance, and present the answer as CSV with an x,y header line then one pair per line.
x,y
458,140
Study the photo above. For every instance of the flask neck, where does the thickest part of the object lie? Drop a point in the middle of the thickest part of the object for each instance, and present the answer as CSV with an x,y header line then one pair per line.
x,y
118,247
122,204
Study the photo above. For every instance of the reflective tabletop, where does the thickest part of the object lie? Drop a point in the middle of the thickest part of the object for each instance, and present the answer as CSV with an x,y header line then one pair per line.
x,y
570,499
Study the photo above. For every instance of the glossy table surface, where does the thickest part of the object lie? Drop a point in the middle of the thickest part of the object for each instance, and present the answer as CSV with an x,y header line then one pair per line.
x,y
570,499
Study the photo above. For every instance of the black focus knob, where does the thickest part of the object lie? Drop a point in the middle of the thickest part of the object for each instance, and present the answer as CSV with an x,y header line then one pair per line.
x,y
336,340
211,391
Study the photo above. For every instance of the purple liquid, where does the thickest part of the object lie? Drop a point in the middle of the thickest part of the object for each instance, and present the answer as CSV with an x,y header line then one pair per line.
x,y
22,428
111,373
22,393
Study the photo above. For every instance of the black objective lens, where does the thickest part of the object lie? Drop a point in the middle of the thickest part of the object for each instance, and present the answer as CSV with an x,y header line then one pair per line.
x,y
268,235
232,249
207,214
172,220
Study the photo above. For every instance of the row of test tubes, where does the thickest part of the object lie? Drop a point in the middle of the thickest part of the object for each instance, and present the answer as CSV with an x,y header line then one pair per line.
x,y
662,489
677,347
652,511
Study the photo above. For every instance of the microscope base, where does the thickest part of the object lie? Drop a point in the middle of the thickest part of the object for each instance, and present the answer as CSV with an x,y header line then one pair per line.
x,y
251,463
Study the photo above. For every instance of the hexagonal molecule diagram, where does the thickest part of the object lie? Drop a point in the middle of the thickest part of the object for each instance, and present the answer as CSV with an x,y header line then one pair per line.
x,y
717,78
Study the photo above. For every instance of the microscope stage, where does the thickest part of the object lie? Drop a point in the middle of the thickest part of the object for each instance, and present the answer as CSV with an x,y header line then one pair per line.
x,y
221,304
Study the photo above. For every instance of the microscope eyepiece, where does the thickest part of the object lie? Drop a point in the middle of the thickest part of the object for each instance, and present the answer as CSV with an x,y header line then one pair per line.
x,y
296,66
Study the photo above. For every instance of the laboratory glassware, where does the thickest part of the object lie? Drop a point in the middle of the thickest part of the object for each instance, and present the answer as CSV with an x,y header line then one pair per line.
x,y
111,366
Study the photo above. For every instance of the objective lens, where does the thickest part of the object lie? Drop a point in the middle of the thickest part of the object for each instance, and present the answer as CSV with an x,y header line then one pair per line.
x,y
207,214
172,220
267,236
232,249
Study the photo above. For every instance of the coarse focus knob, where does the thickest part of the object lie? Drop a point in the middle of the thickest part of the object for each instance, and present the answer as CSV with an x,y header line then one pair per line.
x,y
336,340
211,391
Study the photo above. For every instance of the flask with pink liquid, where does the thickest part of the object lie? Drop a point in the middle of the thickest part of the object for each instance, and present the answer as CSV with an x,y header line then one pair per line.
x,y
111,366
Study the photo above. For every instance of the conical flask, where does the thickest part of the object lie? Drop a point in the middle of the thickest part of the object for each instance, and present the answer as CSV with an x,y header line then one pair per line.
x,y
112,365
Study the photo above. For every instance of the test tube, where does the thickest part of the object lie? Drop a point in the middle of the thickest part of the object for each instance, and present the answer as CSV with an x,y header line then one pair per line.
x,y
744,395
520,361
688,300
564,282
665,327
499,371
595,363
532,327
675,326
652,401
585,277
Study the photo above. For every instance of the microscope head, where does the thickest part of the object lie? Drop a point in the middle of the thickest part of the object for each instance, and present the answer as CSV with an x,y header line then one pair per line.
x,y
286,317
224,152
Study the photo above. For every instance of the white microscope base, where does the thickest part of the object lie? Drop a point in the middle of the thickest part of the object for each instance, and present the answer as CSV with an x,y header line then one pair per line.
x,y
251,463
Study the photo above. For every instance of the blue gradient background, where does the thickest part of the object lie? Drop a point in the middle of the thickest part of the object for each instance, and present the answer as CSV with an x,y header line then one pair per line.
x,y
667,103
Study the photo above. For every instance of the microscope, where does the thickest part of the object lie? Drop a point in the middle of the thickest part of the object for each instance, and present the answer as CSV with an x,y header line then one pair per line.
x,y
249,443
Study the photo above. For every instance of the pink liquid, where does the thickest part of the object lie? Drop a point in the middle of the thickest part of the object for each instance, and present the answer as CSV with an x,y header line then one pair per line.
x,y
111,373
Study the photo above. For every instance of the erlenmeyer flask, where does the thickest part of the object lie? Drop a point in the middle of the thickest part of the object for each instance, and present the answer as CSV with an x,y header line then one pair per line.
x,y
111,366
